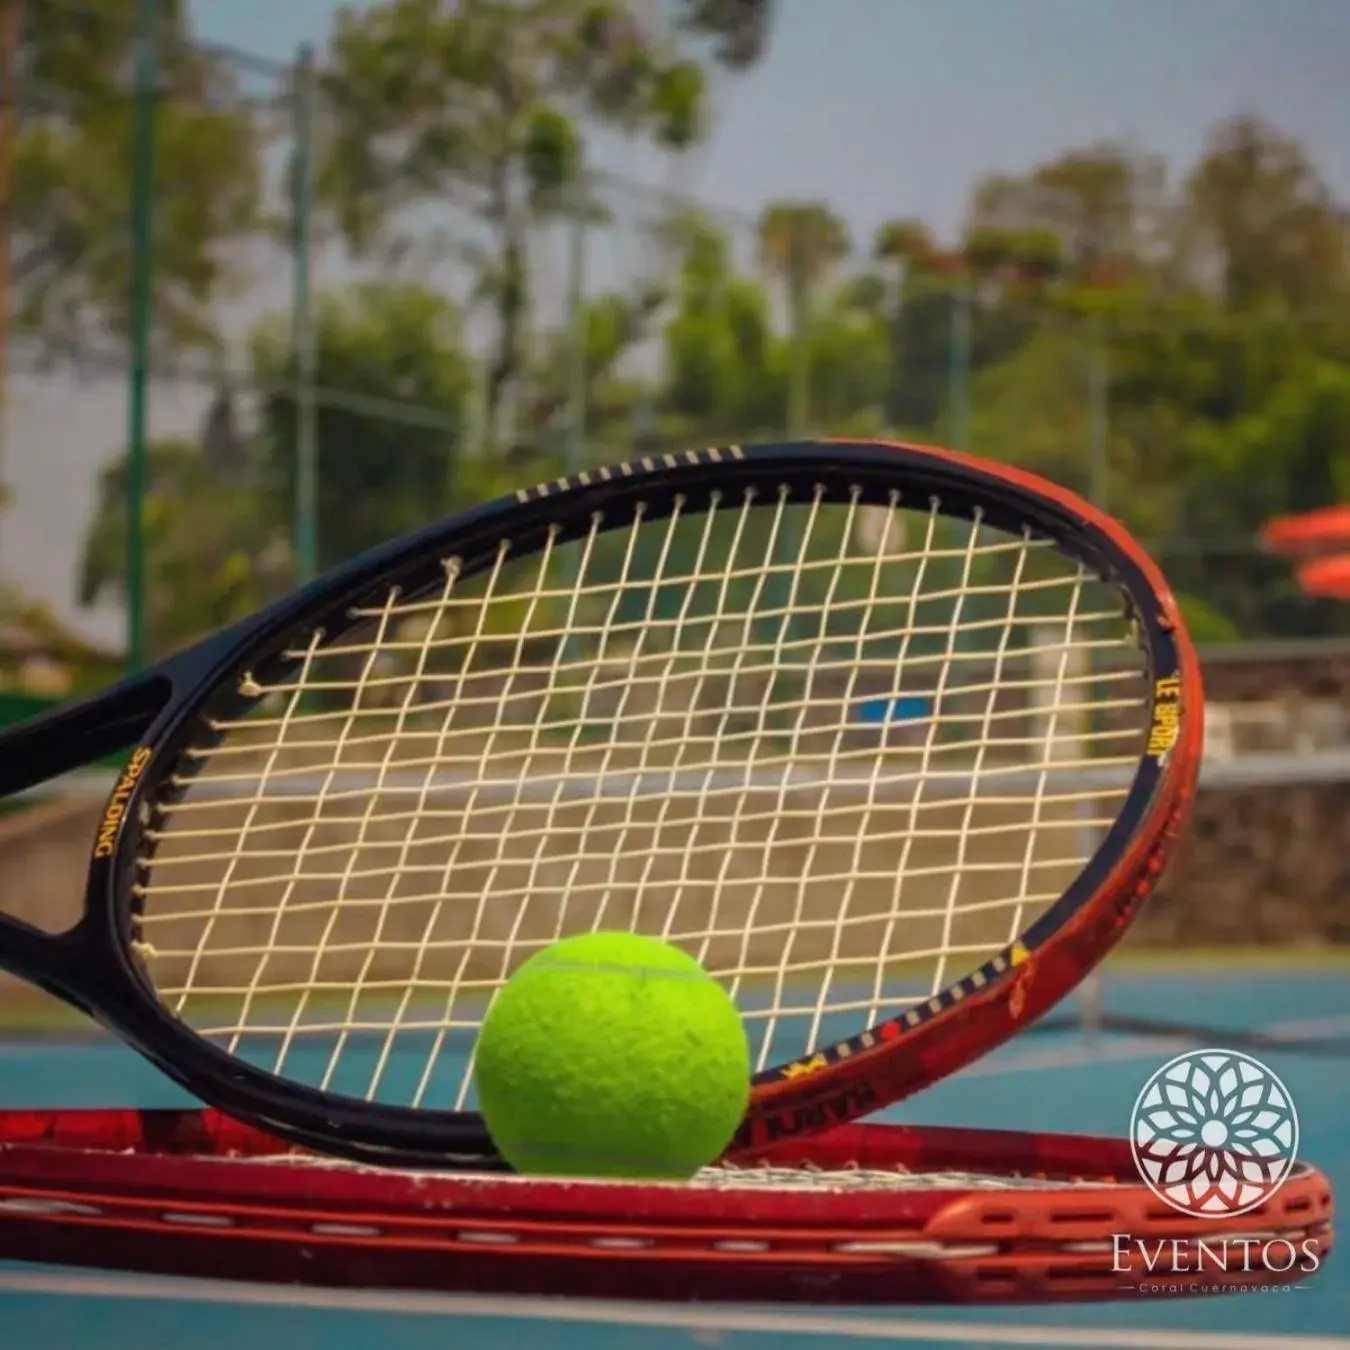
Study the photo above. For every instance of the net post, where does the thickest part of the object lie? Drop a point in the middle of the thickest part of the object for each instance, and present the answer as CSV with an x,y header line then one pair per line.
x,y
142,209
1090,1011
302,321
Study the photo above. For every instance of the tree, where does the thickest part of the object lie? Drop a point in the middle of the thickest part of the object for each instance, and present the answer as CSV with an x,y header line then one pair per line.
x,y
851,367
803,243
906,242
31,630
723,377
211,555
1287,455
613,324
394,383
482,104
1104,203
740,27
727,370
1032,408
69,200
915,293
1261,220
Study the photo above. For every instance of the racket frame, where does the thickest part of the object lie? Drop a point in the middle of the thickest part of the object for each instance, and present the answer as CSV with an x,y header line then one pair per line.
x,y
188,1192
159,712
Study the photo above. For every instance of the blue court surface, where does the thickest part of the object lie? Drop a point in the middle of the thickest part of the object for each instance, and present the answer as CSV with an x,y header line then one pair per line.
x,y
1060,1081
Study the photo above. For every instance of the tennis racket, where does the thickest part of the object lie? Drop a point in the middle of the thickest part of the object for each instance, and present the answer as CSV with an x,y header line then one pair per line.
x,y
893,740
862,1214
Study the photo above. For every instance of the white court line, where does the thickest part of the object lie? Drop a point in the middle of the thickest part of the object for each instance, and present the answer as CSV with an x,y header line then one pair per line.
x,y
673,1317
1139,1047
1135,1047
1077,1058
1312,1026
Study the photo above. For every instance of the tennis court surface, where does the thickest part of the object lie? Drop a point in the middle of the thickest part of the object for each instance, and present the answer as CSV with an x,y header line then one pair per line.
x,y
1072,1078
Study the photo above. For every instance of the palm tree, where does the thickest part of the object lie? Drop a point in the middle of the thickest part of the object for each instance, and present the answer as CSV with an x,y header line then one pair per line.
x,y
801,242
907,242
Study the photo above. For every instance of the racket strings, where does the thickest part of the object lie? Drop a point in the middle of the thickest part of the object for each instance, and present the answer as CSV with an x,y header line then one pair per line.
x,y
841,764
807,1177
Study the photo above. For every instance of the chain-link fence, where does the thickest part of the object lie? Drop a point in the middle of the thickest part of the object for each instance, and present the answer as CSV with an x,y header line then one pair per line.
x,y
214,315
150,233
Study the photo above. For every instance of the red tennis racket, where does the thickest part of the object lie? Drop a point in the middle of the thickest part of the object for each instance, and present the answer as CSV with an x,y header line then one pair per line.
x,y
893,740
862,1214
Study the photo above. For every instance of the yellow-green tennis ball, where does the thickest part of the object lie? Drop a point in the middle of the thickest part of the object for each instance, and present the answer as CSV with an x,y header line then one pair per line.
x,y
612,1055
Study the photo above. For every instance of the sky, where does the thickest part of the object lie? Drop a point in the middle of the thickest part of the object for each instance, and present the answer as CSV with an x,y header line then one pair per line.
x,y
883,108
894,107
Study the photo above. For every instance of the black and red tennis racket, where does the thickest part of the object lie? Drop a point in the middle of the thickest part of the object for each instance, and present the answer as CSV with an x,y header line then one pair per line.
x,y
893,740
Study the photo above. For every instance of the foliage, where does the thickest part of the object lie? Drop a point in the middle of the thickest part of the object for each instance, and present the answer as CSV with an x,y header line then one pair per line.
x,y
723,360
216,521
72,165
31,630
740,27
211,557
1262,217
1188,324
1206,625
484,104
379,346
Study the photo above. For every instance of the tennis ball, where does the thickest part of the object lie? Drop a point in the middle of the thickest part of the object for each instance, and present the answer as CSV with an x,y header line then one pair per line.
x,y
612,1055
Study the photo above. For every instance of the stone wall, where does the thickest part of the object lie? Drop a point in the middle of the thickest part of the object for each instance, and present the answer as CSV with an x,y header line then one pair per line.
x,y
1265,866
1277,670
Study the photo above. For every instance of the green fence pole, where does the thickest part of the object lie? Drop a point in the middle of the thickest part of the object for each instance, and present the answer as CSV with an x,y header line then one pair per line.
x,y
959,345
11,29
142,246
574,432
574,439
302,324
788,545
1099,417
799,372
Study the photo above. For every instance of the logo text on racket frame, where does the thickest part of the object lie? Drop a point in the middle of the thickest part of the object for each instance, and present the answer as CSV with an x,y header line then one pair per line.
x,y
1214,1134
117,803
1166,726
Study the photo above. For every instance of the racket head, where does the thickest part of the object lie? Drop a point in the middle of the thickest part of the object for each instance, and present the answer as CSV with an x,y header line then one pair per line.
x,y
108,964
871,1214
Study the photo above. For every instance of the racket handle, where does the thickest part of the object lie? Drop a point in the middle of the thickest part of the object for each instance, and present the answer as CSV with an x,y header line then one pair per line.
x,y
78,734
83,731
45,959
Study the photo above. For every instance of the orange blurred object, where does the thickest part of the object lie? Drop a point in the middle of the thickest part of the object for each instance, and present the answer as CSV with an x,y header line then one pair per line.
x,y
1328,578
1308,531
1322,540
